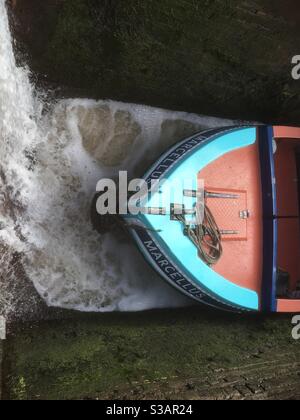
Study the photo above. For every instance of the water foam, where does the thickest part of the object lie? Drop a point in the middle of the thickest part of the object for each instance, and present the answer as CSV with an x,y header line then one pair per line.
x,y
50,166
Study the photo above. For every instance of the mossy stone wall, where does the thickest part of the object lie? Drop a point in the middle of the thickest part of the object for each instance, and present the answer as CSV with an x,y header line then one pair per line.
x,y
220,57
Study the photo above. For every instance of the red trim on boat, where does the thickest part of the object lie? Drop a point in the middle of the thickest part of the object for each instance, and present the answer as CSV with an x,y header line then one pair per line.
x,y
286,132
288,306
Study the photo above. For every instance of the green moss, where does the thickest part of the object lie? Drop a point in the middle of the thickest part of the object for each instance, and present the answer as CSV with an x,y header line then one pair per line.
x,y
214,57
73,44
19,390
91,357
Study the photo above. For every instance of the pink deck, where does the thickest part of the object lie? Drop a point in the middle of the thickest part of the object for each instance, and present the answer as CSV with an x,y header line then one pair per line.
x,y
241,262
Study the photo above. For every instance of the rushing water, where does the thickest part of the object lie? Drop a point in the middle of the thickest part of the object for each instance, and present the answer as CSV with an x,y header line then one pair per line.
x,y
50,163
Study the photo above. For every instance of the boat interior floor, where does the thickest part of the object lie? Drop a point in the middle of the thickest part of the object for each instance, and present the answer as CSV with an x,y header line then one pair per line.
x,y
242,260
287,171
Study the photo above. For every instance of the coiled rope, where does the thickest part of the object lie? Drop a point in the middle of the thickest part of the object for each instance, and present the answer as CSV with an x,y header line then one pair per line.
x,y
205,235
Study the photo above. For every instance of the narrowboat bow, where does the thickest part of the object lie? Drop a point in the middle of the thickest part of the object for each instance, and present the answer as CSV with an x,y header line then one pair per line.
x,y
244,254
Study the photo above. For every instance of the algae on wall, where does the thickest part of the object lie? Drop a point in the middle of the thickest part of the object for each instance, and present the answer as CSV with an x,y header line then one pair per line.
x,y
222,57
189,354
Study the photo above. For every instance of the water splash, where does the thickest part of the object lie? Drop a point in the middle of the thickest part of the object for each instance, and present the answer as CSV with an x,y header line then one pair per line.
x,y
49,167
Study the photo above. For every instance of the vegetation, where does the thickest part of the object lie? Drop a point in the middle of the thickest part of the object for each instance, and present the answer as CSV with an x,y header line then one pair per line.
x,y
124,355
216,57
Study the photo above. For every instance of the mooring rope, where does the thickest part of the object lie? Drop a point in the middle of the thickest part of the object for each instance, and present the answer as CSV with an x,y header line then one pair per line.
x,y
205,235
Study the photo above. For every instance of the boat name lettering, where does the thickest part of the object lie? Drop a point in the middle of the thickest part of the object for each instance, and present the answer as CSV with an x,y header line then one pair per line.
x,y
170,270
174,156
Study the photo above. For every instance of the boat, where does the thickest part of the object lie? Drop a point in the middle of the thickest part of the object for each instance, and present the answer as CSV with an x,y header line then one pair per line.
x,y
231,238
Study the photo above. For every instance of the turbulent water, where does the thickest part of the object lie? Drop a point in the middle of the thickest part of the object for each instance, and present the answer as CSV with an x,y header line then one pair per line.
x,y
50,163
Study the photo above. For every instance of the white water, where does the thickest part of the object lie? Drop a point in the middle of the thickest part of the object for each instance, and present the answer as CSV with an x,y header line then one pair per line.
x,y
51,164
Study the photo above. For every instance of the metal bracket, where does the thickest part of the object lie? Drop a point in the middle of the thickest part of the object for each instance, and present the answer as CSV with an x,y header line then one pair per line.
x,y
207,194
155,211
244,214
